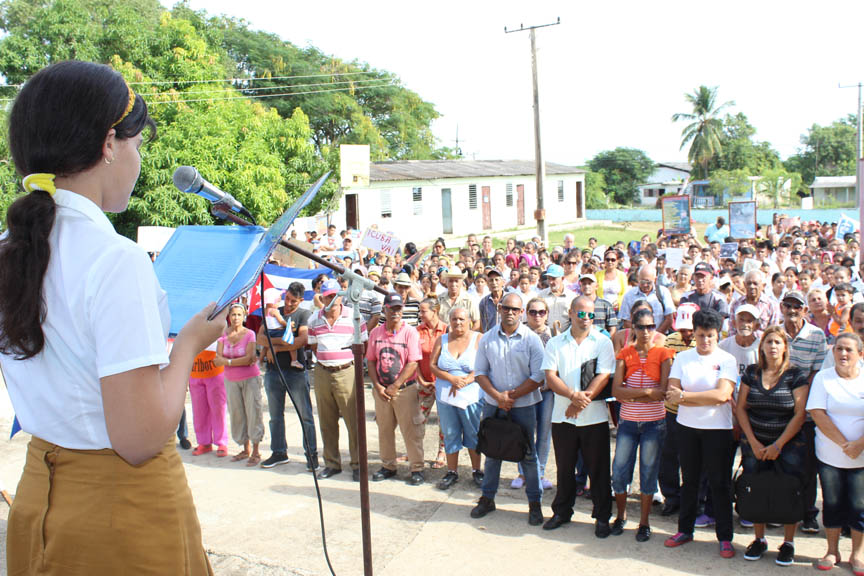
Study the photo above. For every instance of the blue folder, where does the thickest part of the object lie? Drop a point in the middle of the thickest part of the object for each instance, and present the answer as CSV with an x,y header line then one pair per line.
x,y
203,264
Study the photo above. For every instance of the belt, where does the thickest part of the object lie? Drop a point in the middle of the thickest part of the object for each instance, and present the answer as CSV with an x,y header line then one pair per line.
x,y
406,384
336,368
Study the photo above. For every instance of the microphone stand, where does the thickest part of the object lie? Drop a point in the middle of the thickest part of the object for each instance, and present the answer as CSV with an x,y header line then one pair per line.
x,y
357,284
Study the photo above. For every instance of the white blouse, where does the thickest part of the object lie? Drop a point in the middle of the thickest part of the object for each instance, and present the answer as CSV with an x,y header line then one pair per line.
x,y
105,314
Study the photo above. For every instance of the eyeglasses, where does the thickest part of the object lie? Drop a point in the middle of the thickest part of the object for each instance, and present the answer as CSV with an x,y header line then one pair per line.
x,y
511,309
571,262
537,312
581,314
610,259
648,327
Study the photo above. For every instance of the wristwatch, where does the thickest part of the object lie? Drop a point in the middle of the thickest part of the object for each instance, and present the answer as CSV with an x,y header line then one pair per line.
x,y
681,396
229,363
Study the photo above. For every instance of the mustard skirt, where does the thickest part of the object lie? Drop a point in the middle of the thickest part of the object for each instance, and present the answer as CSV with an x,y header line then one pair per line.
x,y
88,512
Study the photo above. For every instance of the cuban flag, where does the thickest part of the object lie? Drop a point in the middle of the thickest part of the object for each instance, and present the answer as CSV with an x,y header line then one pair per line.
x,y
280,277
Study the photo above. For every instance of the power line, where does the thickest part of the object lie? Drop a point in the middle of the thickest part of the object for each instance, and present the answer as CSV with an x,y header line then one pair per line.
x,y
252,79
277,87
154,102
243,97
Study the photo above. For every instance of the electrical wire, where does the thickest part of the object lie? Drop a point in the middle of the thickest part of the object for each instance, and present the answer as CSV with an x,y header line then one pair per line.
x,y
279,86
250,79
306,450
154,102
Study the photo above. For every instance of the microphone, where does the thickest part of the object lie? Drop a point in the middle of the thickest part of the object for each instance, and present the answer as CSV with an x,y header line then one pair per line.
x,y
187,179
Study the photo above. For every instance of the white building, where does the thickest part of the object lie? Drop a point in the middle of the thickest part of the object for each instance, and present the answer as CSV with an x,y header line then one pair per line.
x,y
419,200
833,190
667,179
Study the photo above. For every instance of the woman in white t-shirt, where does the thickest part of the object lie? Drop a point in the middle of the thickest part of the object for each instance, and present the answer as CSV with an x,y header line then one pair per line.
x,y
701,384
836,403
83,326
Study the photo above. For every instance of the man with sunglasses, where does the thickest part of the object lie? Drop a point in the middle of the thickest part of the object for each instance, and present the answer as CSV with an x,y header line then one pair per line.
x,y
508,370
807,350
579,420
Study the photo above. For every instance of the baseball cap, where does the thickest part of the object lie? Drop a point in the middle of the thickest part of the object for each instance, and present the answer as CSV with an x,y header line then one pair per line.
x,y
703,268
795,295
393,300
402,279
588,277
684,316
555,271
374,271
724,281
360,269
749,308
492,270
330,286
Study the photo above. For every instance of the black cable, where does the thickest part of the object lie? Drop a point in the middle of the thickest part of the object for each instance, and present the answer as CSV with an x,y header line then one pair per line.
x,y
306,449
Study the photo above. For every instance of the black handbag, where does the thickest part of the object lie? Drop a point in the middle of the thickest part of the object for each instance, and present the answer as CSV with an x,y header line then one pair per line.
x,y
502,438
587,373
770,495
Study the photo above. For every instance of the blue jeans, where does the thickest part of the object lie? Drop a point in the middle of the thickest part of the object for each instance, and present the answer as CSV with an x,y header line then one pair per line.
x,y
459,426
842,496
648,438
526,416
544,430
298,388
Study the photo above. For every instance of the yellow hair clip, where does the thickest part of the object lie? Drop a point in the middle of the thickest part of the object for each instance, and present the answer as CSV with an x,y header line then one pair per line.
x,y
128,106
40,181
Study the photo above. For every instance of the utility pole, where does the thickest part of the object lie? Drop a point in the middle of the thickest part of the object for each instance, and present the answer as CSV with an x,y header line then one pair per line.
x,y
859,160
539,165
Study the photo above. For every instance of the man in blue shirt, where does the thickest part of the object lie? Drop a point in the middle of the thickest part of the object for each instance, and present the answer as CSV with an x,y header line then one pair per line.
x,y
508,369
717,232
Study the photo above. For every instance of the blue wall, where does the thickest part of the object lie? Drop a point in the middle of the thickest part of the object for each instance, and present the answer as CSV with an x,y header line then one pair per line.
x,y
763,216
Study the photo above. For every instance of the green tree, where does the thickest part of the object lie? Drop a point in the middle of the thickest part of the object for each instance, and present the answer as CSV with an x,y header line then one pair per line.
x,y
826,151
595,191
739,151
704,131
779,185
623,170
734,183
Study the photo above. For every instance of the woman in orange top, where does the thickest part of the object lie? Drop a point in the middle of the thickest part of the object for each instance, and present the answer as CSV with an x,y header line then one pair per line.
x,y
640,386
207,389
429,328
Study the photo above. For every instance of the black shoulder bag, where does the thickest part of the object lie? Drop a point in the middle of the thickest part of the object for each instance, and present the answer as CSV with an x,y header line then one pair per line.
x,y
587,374
502,438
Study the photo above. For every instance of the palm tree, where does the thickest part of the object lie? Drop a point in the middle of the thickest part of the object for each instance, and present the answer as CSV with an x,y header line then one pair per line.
x,y
704,130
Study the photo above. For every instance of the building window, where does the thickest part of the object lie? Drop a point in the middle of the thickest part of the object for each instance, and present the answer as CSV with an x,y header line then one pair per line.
x,y
472,196
418,201
386,210
509,197
560,191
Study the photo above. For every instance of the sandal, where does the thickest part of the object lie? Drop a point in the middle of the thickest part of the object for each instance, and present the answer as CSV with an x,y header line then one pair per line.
x,y
857,568
202,449
825,563
254,460
240,456
440,462
221,451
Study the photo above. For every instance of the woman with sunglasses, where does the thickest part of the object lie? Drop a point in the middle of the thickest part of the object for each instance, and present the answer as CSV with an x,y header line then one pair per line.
x,y
640,386
537,312
627,336
572,265
611,282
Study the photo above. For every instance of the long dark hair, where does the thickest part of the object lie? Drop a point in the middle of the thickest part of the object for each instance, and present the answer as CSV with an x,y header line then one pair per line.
x,y
58,125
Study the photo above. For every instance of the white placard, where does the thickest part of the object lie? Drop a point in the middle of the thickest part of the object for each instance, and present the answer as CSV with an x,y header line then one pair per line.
x,y
752,264
674,258
154,238
381,242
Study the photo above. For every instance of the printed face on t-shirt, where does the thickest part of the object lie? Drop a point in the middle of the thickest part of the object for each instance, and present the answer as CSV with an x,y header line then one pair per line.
x,y
389,366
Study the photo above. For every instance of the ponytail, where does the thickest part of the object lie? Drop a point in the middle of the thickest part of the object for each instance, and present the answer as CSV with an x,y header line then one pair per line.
x,y
24,256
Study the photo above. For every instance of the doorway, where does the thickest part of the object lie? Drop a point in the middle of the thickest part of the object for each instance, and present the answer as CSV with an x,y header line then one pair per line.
x,y
520,204
351,220
446,211
487,208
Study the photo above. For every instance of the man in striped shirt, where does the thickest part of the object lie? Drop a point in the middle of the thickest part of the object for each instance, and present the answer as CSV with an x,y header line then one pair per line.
x,y
331,334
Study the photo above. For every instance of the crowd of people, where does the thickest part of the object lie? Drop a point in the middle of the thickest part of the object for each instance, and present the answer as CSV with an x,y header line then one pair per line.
x,y
760,348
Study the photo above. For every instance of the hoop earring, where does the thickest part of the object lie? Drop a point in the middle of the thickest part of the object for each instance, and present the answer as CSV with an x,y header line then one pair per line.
x,y
107,161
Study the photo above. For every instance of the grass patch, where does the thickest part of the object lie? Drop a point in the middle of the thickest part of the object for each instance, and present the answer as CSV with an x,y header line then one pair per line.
x,y
606,235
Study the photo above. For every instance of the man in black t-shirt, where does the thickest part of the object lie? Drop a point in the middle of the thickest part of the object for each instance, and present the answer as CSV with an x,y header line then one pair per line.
x,y
295,384
704,294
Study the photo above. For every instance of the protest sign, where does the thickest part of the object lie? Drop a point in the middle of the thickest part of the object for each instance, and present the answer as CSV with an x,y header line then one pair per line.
x,y
381,242
742,220
676,214
674,258
752,264
846,225
729,250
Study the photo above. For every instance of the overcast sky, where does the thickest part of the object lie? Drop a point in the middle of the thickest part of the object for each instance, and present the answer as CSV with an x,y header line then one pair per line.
x,y
611,74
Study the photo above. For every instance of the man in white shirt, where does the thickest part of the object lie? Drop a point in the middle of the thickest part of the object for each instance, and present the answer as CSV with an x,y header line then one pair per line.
x,y
558,298
579,416
744,345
